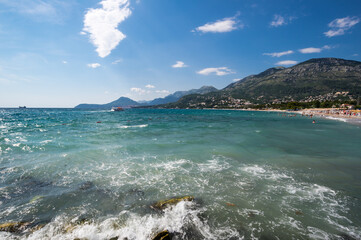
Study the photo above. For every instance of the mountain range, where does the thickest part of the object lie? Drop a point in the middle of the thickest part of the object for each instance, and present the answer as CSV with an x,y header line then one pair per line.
x,y
318,79
127,102
322,79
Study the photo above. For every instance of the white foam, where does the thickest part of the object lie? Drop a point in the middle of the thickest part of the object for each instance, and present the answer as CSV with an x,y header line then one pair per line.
x,y
265,172
315,233
338,119
214,165
254,170
135,227
172,165
135,126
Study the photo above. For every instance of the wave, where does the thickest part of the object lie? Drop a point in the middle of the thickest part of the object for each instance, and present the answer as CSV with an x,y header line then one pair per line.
x,y
338,119
135,126
183,221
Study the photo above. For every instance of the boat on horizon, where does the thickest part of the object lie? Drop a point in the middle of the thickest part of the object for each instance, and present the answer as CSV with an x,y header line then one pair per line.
x,y
22,107
117,109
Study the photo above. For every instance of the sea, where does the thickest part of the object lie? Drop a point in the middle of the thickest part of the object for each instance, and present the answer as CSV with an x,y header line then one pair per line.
x,y
81,174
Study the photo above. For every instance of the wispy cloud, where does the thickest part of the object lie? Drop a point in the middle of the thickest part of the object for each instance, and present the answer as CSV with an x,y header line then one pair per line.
x,y
279,54
137,90
65,62
339,26
40,10
93,65
149,86
117,61
279,20
179,64
162,91
220,71
286,62
313,49
236,79
101,24
220,26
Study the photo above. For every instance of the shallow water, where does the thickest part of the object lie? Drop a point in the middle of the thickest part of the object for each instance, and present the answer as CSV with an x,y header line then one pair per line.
x,y
254,175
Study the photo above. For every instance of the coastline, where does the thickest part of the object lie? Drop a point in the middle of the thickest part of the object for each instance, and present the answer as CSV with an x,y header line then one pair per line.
x,y
349,116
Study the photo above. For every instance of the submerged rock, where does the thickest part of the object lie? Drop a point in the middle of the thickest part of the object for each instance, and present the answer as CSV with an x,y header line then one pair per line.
x,y
14,227
36,198
164,235
230,204
114,238
161,205
86,185
72,226
37,227
298,212
345,236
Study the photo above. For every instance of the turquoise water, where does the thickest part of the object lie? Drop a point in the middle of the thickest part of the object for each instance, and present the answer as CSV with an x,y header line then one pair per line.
x,y
254,175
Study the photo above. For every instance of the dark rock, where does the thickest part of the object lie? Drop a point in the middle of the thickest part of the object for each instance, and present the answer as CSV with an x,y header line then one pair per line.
x,y
164,235
86,185
161,205
298,212
345,236
15,227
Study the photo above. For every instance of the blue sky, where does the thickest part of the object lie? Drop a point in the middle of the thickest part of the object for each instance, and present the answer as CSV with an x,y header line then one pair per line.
x,y
57,53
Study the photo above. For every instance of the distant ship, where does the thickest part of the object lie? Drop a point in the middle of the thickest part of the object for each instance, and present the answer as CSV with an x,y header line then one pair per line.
x,y
22,106
117,109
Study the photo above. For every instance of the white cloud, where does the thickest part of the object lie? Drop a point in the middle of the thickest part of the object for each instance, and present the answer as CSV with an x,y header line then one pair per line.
x,y
221,71
162,91
220,26
355,55
179,64
279,54
286,62
137,90
149,86
339,26
93,65
313,50
102,23
278,20
236,79
65,62
310,50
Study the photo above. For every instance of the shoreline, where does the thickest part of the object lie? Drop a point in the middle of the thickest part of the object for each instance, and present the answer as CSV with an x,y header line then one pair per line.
x,y
348,116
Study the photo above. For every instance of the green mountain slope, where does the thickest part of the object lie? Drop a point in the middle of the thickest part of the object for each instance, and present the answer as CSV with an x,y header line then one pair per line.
x,y
316,79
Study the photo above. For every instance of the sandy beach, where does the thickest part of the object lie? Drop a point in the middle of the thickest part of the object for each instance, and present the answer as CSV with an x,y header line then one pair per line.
x,y
352,116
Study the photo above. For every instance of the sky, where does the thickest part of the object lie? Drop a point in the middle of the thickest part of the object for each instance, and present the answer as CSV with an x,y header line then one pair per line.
x,y
56,53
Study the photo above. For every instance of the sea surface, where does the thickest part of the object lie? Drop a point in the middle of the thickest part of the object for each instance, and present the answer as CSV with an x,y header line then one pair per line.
x,y
254,175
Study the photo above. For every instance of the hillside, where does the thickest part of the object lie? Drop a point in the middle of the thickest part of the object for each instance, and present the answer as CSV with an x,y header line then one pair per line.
x,y
177,95
316,79
120,102
127,102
